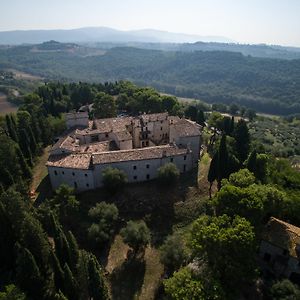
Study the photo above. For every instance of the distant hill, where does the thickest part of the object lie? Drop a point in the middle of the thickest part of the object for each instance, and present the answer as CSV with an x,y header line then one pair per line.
x,y
264,84
102,34
260,50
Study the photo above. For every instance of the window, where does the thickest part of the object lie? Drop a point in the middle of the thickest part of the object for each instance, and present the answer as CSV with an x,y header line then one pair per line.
x,y
63,172
160,128
161,122
135,177
106,135
75,184
94,138
184,168
148,176
147,143
73,173
184,158
147,166
134,167
87,185
55,172
171,159
85,175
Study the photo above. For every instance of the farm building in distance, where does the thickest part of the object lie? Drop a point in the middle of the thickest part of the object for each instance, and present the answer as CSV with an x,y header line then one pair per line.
x,y
137,145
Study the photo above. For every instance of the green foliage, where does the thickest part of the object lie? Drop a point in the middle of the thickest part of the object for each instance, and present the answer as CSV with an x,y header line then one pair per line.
x,y
105,216
185,285
136,235
168,174
228,246
11,292
285,290
28,275
97,288
242,178
104,106
70,284
64,201
242,138
114,179
253,201
173,253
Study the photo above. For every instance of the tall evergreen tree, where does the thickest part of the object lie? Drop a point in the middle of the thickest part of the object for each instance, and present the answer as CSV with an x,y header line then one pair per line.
x,y
28,275
23,164
97,288
11,128
62,249
24,145
222,168
242,138
70,284
58,272
32,141
74,251
213,172
251,161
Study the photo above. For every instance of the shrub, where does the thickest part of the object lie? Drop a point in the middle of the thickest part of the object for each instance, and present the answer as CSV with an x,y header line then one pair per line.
x,y
168,174
114,179
136,235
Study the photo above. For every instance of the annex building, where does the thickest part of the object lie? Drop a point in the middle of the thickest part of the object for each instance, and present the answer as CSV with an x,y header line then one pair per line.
x,y
137,145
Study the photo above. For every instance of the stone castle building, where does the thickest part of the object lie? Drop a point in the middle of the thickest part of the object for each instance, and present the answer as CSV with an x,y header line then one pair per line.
x,y
136,145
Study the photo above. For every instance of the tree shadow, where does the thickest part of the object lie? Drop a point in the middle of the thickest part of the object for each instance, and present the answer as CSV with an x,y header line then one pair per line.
x,y
43,190
127,280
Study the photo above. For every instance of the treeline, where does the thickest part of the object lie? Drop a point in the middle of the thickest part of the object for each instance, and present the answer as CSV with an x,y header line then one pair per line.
x,y
38,260
262,84
216,256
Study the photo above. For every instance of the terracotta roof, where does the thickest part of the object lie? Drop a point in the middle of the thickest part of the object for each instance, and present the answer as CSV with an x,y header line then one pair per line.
x,y
72,161
283,235
137,154
123,135
185,127
95,147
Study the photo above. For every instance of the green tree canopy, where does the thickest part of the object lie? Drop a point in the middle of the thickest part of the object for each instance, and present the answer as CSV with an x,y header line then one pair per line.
x,y
136,234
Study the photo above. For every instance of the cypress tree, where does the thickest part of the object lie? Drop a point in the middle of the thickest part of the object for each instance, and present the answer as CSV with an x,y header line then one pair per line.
x,y
70,284
62,249
11,129
58,272
222,168
24,145
97,288
242,138
201,117
24,166
212,173
251,162
28,275
232,125
74,251
32,141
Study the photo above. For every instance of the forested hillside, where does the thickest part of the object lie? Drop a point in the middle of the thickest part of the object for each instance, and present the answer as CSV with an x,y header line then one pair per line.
x,y
266,85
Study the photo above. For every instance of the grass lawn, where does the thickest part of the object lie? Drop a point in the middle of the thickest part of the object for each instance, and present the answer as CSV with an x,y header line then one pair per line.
x,y
40,185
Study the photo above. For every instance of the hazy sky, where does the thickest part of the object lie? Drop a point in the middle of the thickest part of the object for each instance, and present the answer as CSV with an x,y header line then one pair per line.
x,y
245,21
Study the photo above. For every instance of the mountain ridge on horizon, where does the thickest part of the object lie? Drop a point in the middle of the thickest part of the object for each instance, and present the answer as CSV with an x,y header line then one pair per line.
x,y
102,34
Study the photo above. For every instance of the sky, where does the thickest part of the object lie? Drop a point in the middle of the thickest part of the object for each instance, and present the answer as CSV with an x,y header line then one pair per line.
x,y
245,21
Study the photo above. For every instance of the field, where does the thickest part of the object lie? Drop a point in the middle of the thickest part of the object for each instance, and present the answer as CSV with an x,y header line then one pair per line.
x,y
5,106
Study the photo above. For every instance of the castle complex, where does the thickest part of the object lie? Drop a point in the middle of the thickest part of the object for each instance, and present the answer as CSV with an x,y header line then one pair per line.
x,y
137,145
